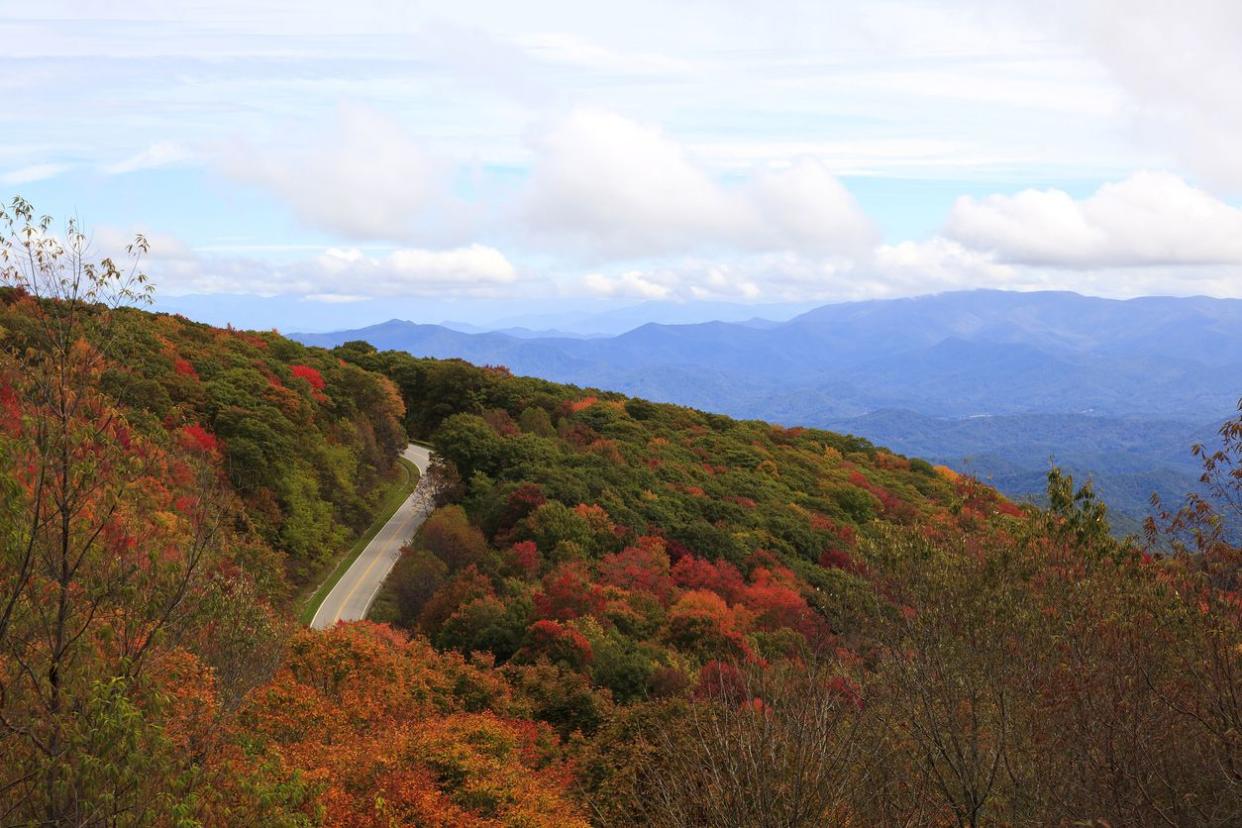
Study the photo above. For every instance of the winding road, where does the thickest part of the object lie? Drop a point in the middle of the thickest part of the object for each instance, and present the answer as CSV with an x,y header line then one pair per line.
x,y
350,599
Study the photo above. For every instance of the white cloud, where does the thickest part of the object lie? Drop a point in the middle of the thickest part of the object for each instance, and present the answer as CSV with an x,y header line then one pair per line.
x,y
408,270
621,188
624,187
336,275
159,154
35,172
1178,65
890,270
907,268
371,180
632,283
1150,218
804,207
762,277
941,264
335,298
938,264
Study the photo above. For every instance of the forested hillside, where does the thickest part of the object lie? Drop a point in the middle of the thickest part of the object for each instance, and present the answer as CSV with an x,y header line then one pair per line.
x,y
753,625
623,613
303,438
650,540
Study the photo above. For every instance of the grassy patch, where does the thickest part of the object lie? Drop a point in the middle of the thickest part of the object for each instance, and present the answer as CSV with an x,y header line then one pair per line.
x,y
397,492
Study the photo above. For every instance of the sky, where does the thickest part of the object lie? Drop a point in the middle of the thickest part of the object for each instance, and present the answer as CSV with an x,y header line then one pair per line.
x,y
350,162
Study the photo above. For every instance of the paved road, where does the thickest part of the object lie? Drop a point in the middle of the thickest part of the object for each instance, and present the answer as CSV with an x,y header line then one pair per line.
x,y
353,594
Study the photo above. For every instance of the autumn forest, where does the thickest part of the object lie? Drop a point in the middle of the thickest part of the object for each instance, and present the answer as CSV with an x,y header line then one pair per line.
x,y
620,613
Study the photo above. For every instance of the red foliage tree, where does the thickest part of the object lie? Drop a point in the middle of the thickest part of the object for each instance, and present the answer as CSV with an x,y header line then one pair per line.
x,y
523,559
311,375
643,567
196,438
721,577
559,643
568,592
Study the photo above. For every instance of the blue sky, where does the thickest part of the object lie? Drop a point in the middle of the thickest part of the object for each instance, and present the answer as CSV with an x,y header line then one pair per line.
x,y
499,158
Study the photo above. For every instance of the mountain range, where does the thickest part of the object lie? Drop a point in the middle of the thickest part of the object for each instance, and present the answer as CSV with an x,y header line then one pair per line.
x,y
999,383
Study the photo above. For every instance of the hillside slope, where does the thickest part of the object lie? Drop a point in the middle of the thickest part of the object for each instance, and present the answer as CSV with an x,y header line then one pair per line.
x,y
617,600
620,506
945,358
304,439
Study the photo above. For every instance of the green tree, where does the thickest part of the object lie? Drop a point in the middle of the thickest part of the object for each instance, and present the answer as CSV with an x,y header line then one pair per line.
x,y
467,441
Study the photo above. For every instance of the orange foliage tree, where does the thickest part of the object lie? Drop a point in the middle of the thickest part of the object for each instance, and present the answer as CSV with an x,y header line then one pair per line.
x,y
393,733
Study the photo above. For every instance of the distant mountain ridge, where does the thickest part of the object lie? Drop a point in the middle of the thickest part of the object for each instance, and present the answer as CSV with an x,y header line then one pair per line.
x,y
580,317
944,357
949,355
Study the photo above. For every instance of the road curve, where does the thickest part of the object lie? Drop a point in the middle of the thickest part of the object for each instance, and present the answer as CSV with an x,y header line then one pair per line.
x,y
350,599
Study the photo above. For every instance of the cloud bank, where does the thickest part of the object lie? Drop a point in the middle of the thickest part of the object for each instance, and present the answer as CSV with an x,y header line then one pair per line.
x,y
370,180
1149,218
619,188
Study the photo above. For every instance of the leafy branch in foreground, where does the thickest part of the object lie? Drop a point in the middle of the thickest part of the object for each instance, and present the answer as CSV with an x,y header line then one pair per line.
x,y
107,536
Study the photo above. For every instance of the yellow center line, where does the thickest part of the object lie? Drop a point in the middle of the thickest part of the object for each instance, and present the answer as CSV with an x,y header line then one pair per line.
x,y
371,566
341,606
